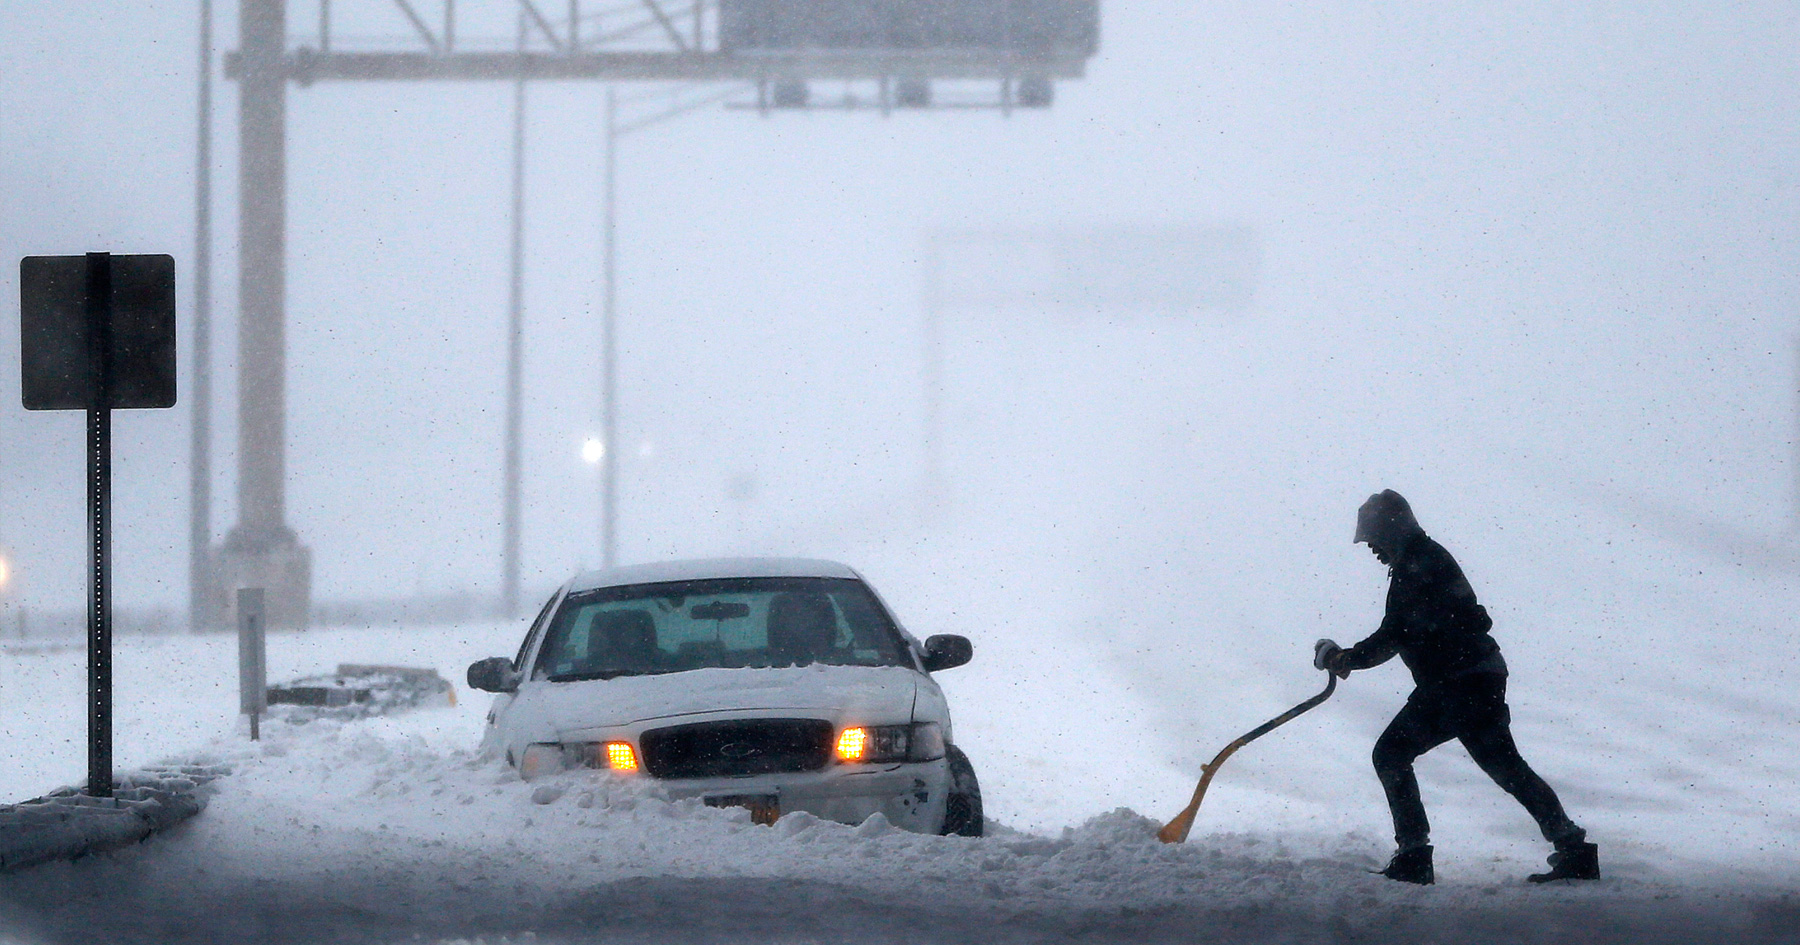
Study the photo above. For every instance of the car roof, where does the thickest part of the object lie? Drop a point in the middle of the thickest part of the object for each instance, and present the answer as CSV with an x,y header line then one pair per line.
x,y
702,568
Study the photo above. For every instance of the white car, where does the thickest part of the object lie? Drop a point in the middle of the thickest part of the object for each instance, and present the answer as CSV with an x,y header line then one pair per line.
x,y
774,684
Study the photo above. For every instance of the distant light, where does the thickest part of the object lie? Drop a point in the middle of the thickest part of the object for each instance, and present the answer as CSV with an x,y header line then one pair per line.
x,y
621,758
646,449
593,451
5,572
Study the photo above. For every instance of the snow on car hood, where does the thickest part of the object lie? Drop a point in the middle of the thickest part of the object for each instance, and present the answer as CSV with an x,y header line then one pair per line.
x,y
877,694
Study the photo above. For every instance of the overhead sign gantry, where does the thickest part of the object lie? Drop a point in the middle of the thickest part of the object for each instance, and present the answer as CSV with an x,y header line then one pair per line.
x,y
899,49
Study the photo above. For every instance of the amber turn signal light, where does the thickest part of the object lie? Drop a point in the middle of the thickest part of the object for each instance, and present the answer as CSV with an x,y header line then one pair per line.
x,y
852,744
621,758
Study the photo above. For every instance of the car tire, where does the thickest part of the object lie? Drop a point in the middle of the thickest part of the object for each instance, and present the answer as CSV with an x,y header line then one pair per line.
x,y
962,808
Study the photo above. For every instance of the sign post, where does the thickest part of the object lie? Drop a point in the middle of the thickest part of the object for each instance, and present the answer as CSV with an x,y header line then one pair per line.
x,y
97,333
98,306
253,660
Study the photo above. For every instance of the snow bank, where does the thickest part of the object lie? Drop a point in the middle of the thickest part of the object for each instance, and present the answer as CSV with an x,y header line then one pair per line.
x,y
392,830
66,824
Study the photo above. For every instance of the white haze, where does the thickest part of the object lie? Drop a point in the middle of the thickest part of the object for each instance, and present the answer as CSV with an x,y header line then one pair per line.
x,y
1533,265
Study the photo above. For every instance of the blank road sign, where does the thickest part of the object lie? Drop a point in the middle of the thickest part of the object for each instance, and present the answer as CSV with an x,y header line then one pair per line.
x,y
1183,268
60,369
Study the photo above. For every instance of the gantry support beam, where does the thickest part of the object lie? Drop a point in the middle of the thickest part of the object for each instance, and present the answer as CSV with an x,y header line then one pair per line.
x,y
261,550
307,66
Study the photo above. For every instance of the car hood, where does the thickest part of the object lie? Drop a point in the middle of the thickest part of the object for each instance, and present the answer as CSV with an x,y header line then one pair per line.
x,y
875,694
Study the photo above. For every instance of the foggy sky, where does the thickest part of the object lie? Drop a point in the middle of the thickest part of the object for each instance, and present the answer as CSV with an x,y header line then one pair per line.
x,y
1540,242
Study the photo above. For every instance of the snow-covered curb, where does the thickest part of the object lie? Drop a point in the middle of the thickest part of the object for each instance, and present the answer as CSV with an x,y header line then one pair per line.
x,y
67,824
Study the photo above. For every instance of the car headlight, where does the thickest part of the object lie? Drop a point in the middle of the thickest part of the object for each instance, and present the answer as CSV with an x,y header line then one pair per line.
x,y
539,760
547,758
890,744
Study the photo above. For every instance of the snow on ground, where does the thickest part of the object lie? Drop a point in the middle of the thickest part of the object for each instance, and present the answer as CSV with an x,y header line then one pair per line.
x,y
390,830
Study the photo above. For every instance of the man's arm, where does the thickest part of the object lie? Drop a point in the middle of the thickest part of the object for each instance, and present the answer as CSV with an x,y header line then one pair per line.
x,y
1375,649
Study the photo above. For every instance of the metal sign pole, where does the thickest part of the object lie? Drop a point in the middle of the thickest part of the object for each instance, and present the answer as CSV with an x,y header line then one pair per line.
x,y
99,503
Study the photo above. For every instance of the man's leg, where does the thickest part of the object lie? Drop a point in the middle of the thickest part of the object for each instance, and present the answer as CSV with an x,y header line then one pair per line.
x,y
1493,749
1414,731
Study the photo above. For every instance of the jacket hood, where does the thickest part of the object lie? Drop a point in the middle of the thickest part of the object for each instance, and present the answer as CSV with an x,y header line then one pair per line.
x,y
1386,522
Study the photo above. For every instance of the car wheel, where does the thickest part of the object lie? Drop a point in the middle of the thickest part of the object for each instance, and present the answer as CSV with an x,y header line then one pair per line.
x,y
962,809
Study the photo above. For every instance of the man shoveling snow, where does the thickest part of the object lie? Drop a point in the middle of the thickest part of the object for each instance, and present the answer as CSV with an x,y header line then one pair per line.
x,y
1440,632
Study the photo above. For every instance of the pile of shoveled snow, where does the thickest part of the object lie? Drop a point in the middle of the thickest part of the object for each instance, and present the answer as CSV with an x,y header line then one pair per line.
x,y
390,830
68,823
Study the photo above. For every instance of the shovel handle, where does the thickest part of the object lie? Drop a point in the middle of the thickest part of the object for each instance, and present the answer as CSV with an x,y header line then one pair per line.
x,y
1176,830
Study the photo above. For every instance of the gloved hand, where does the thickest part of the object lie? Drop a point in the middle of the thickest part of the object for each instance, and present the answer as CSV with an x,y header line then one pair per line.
x,y
1325,656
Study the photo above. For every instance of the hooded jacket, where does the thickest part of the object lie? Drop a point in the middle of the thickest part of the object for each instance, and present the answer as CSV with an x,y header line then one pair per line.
x,y
1433,622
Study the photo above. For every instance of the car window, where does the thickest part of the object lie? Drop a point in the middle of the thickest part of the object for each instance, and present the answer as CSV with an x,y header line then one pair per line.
x,y
736,622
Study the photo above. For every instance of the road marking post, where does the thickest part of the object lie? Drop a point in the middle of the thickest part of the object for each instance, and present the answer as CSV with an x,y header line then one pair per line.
x,y
253,662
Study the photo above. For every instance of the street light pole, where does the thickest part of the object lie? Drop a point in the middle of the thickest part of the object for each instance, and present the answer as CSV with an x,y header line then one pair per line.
x,y
609,382
200,431
515,341
933,483
609,405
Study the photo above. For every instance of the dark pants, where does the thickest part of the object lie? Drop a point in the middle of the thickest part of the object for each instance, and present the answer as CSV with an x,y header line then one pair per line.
x,y
1472,710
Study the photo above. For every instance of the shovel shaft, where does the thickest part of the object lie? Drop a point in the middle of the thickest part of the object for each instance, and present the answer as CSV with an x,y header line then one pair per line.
x,y
1176,830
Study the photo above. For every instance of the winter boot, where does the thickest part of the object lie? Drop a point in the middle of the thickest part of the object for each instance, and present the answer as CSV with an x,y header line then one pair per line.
x,y
1575,861
1411,866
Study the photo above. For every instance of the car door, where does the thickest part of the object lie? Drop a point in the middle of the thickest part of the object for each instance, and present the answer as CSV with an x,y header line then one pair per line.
x,y
492,739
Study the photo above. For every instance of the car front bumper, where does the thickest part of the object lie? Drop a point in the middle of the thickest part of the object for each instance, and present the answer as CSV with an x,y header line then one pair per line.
x,y
911,795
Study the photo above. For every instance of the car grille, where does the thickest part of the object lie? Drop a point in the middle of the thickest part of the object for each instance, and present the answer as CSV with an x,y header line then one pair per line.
x,y
737,749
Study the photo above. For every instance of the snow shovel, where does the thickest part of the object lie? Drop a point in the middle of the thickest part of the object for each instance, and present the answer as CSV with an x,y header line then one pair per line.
x,y
1176,830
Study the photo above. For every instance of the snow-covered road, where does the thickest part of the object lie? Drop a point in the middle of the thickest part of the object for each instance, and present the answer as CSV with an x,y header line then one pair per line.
x,y
387,832
390,830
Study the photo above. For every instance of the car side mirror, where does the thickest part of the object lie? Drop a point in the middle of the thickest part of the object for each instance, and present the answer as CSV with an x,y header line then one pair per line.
x,y
494,674
947,651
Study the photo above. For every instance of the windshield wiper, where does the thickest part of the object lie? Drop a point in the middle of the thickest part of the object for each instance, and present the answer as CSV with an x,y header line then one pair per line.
x,y
605,674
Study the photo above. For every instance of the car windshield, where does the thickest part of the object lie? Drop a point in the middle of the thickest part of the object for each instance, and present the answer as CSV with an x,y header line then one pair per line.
x,y
645,629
